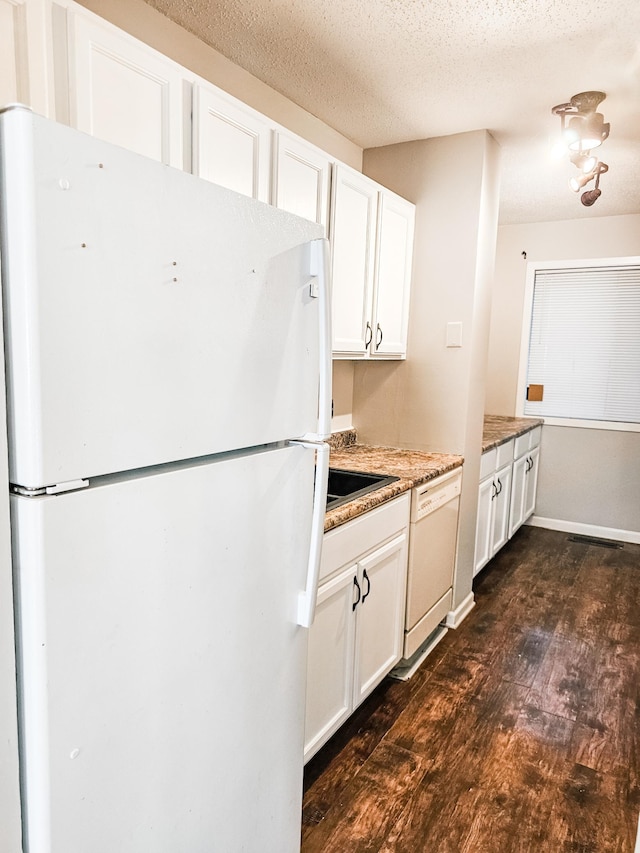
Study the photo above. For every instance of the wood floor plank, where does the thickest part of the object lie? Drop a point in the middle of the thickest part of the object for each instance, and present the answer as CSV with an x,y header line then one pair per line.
x,y
333,768
427,823
608,736
424,726
376,796
562,685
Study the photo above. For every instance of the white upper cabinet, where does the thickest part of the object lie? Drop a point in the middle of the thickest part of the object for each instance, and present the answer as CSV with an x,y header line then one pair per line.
x,y
301,179
14,75
231,143
372,238
24,55
396,217
353,238
123,91
69,64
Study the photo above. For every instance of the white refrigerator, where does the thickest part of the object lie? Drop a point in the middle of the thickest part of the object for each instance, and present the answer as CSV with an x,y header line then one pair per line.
x,y
167,352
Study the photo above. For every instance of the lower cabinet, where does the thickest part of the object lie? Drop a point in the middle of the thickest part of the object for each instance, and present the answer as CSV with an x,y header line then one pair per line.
x,y
494,496
507,493
525,482
356,637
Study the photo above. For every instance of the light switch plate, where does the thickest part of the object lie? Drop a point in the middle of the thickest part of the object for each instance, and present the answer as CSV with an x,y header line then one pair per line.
x,y
454,334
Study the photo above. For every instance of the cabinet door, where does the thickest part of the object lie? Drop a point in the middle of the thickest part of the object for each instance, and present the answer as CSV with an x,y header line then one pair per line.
x,y
24,50
518,487
330,660
531,482
302,175
123,91
14,68
380,615
501,506
231,144
353,233
484,518
394,256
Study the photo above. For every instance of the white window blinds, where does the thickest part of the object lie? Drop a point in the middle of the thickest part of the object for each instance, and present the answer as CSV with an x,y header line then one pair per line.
x,y
584,346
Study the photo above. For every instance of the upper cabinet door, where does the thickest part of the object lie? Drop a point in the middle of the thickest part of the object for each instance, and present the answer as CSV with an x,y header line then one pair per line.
x,y
123,91
14,75
396,218
24,55
302,176
231,143
353,233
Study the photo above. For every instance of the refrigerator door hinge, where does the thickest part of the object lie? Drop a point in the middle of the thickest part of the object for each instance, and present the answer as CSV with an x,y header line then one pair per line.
x,y
57,489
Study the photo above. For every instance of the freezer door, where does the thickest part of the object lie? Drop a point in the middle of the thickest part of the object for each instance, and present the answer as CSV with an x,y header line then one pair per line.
x,y
162,671
150,316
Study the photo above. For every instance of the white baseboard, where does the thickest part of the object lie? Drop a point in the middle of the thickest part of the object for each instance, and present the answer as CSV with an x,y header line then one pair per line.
x,y
585,529
455,617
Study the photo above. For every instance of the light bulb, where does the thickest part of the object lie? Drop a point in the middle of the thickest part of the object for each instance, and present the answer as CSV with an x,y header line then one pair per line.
x,y
585,162
578,181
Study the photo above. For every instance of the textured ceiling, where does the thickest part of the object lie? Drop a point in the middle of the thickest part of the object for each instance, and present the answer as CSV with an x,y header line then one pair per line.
x,y
385,71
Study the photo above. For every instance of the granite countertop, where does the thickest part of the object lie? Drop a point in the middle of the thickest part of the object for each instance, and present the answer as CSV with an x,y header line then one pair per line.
x,y
500,428
413,467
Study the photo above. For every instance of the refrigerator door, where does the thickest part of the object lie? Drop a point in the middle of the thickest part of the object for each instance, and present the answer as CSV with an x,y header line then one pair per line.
x,y
162,671
150,316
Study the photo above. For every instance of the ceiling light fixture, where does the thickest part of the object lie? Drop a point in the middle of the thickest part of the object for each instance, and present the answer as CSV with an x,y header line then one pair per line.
x,y
585,130
591,196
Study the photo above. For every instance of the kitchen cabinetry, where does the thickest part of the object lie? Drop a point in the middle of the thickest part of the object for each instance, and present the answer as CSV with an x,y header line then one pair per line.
x,y
114,86
372,247
507,493
231,143
24,54
14,68
396,219
301,178
525,478
123,91
356,637
493,503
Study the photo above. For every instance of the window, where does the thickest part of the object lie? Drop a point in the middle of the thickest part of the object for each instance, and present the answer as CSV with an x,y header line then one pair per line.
x,y
581,364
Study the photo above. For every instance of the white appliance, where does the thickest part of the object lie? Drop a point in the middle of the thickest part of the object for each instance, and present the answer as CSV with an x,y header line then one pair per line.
x,y
432,555
166,406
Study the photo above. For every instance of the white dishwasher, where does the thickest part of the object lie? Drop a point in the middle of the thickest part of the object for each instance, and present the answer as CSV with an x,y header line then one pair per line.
x,y
432,554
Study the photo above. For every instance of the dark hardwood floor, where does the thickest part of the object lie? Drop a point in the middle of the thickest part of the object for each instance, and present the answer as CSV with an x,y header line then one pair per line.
x,y
521,730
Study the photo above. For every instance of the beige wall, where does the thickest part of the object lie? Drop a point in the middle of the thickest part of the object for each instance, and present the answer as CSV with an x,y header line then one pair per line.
x,y
587,476
342,395
435,399
148,25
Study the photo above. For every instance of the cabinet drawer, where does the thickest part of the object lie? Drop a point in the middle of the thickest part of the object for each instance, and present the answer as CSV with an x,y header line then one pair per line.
x,y
527,441
536,435
488,463
346,543
504,453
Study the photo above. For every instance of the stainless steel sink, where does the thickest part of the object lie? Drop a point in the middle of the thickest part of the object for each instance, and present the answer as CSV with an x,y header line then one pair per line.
x,y
344,486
